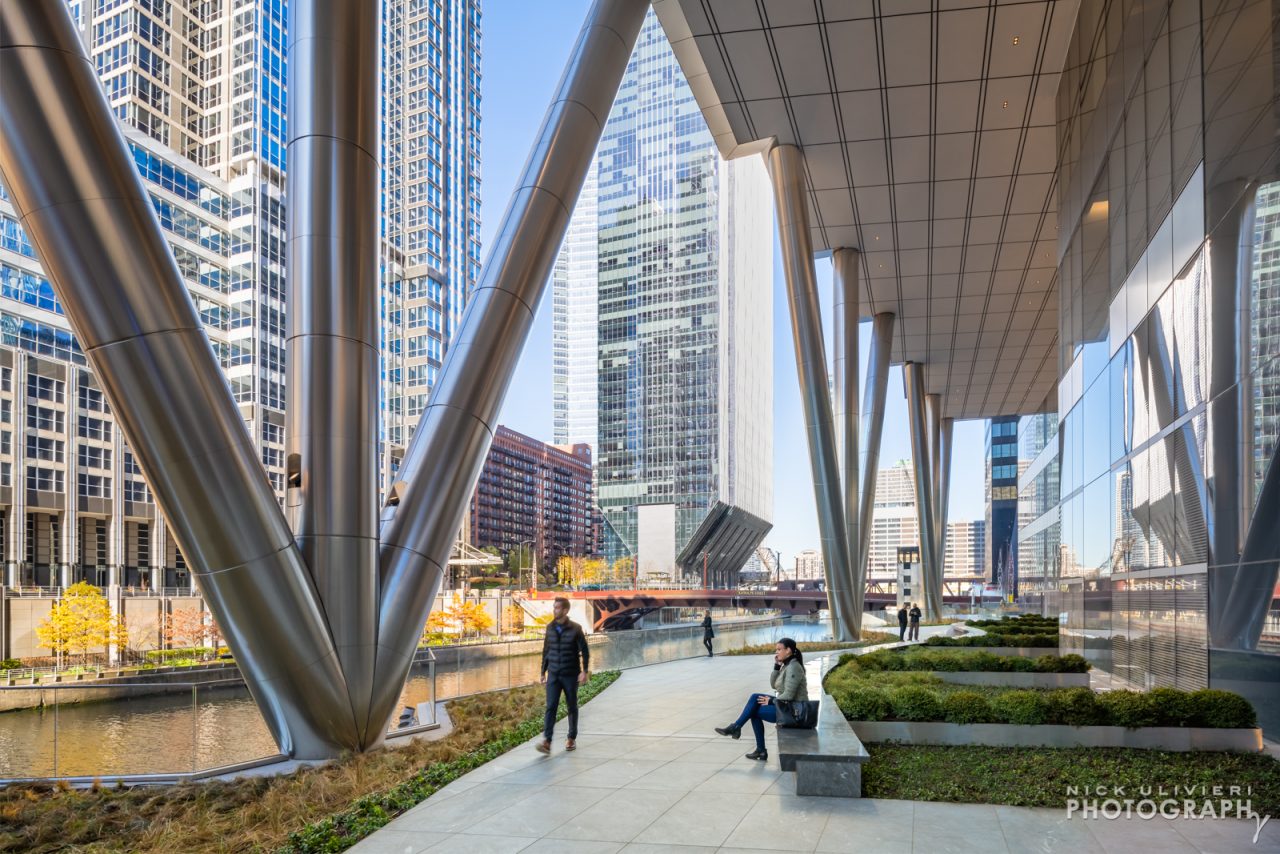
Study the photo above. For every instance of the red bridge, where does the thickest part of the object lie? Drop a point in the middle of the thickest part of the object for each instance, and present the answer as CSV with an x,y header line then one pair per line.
x,y
620,609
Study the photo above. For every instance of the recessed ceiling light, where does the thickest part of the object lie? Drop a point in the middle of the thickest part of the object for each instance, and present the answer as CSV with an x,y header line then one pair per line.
x,y
1005,105
1015,39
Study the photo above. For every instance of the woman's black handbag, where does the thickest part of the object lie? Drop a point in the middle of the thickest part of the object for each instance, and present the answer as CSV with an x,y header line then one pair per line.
x,y
797,714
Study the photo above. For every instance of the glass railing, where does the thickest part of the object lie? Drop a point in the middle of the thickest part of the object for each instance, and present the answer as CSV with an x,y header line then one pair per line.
x,y
184,730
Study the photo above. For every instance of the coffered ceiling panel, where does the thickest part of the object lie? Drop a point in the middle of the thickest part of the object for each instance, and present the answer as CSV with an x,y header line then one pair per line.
x,y
928,133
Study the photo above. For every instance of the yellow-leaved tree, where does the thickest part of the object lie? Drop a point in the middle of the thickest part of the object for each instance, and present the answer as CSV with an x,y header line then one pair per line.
x,y
80,621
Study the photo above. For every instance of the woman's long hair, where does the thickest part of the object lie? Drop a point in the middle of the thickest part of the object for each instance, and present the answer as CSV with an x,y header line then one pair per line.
x,y
795,650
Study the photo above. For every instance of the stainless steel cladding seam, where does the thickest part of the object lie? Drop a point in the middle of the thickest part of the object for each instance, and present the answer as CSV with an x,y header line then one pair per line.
x,y
873,402
844,265
917,422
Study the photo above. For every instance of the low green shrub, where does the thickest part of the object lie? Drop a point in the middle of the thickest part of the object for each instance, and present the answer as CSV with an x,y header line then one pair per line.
x,y
1221,709
966,707
10,663
1130,709
1173,707
1020,707
990,640
986,662
915,703
1074,707
864,704
173,656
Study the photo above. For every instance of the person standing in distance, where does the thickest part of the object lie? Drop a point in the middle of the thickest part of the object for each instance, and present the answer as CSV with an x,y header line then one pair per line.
x,y
707,633
566,660
914,613
902,622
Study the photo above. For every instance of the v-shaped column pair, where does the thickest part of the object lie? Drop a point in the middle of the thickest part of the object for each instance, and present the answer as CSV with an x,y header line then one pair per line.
x,y
844,510
323,633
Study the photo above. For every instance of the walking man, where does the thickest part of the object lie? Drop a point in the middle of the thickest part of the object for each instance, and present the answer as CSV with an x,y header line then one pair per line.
x,y
565,665
915,622
707,633
902,622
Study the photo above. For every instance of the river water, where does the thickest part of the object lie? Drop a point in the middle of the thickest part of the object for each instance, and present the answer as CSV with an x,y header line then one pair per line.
x,y
209,727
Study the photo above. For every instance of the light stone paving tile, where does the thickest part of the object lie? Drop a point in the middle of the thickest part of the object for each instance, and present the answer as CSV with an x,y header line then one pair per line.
x,y
699,818
781,823
615,773
573,846
944,828
472,843
397,842
665,748
784,785
619,816
676,776
1123,836
1045,831
724,751
552,769
1228,836
648,848
868,825
540,813
460,811
747,779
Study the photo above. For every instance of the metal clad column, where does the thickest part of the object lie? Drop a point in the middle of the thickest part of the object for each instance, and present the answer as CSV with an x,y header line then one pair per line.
x,y
917,422
440,468
72,177
786,166
333,286
933,423
946,432
844,264
873,403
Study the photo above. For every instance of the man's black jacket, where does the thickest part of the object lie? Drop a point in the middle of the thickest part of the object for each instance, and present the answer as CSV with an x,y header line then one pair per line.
x,y
902,616
915,615
561,650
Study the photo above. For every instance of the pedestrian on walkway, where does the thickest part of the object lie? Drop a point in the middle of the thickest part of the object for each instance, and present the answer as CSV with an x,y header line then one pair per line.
x,y
707,633
566,661
914,613
902,622
788,679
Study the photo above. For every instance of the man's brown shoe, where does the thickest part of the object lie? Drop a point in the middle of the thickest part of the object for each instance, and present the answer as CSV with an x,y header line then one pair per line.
x,y
544,746
571,745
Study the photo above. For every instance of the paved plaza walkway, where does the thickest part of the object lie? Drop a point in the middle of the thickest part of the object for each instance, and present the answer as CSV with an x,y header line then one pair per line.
x,y
650,775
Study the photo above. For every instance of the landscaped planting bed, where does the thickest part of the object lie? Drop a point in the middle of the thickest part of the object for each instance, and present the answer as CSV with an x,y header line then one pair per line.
x,y
920,707
964,667
1027,631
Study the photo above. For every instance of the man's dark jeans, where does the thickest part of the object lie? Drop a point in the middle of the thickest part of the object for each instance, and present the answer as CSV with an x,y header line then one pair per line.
x,y
566,683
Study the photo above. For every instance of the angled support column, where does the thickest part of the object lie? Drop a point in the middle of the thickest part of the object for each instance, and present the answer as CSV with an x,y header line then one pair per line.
x,y
786,165
945,433
873,403
71,176
918,425
332,436
448,449
844,264
933,574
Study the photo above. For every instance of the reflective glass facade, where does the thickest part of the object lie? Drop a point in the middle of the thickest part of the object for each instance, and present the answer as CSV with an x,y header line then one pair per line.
x,y
1170,347
683,361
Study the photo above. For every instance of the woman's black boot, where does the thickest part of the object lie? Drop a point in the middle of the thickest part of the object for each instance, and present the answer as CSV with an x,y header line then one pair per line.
x,y
760,754
730,730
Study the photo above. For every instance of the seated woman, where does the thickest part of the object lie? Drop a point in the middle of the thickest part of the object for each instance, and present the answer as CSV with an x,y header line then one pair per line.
x,y
788,680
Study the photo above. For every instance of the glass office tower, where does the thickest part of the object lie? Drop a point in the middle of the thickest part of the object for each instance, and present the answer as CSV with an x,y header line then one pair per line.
x,y
1170,345
200,92
1001,547
663,301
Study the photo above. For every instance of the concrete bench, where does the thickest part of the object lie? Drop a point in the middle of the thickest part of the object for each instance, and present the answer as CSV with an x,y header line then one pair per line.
x,y
827,760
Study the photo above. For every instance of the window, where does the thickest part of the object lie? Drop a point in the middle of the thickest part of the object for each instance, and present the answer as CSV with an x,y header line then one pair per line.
x,y
93,457
93,428
44,480
46,388
136,490
49,450
44,418
92,399
93,485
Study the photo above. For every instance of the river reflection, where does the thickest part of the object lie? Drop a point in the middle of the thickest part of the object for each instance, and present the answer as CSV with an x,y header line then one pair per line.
x,y
211,726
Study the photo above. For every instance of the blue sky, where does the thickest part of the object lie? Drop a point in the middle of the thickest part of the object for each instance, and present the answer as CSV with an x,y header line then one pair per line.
x,y
525,46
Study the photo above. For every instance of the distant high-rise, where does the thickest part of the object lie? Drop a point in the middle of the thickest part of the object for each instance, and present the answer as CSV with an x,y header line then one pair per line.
x,y
664,319
1002,501
894,525
200,92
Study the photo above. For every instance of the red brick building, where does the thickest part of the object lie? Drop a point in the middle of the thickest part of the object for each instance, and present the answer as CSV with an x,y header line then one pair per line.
x,y
529,490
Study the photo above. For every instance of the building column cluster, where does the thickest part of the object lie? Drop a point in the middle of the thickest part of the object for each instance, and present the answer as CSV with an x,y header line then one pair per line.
x,y
931,457
844,498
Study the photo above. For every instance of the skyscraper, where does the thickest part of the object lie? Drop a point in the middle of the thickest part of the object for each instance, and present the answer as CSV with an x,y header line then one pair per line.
x,y
200,93
675,326
895,524
1002,501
